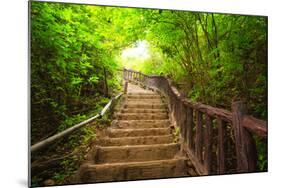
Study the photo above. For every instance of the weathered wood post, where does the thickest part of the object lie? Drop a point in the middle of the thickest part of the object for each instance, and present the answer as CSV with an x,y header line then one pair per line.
x,y
125,87
181,121
199,135
124,74
221,146
139,77
208,144
144,80
245,146
189,126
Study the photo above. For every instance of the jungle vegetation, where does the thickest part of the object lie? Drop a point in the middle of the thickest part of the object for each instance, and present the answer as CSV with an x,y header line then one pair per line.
x,y
77,57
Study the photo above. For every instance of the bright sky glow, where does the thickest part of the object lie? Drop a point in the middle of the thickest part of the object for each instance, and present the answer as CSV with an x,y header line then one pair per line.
x,y
139,51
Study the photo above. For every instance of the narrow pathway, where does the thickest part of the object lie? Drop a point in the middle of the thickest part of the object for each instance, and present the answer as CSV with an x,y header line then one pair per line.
x,y
135,89
138,145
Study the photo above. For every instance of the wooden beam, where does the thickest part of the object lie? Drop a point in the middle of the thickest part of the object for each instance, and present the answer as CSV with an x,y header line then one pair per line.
x,y
208,144
221,151
125,87
189,127
245,146
198,142
255,126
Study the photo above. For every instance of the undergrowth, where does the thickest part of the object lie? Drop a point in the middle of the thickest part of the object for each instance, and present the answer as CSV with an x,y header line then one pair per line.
x,y
74,147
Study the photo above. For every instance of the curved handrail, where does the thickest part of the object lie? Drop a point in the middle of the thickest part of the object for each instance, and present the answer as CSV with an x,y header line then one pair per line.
x,y
52,139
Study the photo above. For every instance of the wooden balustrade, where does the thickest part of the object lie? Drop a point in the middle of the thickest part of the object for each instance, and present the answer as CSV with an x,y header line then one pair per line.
x,y
208,134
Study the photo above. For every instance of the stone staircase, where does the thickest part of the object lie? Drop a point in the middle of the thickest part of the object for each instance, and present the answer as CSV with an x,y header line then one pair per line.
x,y
138,145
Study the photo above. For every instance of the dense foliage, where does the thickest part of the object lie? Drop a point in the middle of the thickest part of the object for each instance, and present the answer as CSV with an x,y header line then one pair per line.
x,y
76,57
74,72
73,50
218,58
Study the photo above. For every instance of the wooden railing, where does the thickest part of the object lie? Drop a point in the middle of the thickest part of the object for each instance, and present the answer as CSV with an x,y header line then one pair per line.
x,y
44,143
216,140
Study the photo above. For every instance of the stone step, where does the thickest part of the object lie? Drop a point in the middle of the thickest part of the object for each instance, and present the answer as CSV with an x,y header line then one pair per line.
x,y
144,102
140,116
140,110
90,173
141,140
115,133
145,105
138,144
140,124
142,94
113,154
143,97
130,100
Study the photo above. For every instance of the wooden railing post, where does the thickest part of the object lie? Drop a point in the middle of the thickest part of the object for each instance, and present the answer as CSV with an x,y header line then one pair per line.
x,y
221,151
133,76
125,74
245,146
208,144
139,77
199,136
125,87
189,127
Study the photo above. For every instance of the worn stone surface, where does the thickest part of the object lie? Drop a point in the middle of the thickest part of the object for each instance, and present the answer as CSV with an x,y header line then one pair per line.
x,y
49,182
134,170
136,152
115,133
140,110
148,100
140,140
145,105
141,96
137,145
135,89
140,116
140,124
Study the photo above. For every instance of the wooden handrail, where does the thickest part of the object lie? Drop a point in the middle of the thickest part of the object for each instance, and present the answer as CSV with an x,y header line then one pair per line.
x,y
255,126
212,111
200,124
52,139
